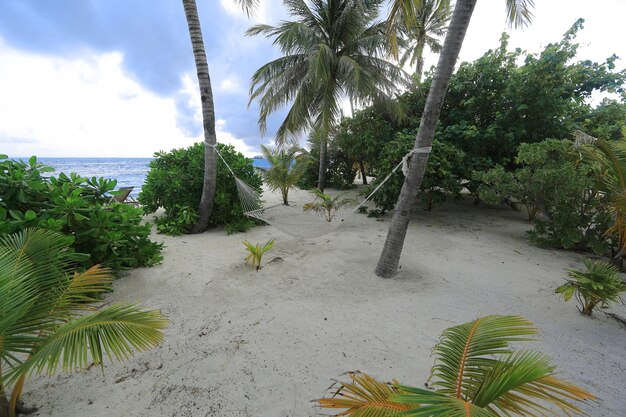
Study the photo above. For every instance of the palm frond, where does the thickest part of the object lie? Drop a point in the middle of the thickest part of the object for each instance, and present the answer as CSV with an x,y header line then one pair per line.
x,y
519,12
315,74
248,6
463,352
82,287
429,403
524,384
364,396
115,332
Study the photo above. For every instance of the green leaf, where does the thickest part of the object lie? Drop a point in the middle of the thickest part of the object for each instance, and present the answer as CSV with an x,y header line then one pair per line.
x,y
30,215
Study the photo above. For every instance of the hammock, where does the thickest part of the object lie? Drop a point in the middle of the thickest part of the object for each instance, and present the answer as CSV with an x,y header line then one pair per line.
x,y
292,219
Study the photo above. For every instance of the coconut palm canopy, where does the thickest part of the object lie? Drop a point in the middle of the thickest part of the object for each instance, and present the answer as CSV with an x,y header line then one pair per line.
x,y
332,49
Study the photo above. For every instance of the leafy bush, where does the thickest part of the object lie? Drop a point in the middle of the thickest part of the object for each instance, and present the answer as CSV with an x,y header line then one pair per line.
x,y
43,304
440,179
553,180
499,186
180,223
175,180
476,373
600,285
563,187
111,233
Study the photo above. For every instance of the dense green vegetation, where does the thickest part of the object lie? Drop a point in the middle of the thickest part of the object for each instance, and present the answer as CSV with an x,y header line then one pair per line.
x,y
175,184
113,234
505,135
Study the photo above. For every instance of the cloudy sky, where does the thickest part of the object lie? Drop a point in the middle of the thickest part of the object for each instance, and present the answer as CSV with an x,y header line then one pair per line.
x,y
117,78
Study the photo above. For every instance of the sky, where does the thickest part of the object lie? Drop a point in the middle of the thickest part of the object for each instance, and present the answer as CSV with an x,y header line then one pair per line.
x,y
116,78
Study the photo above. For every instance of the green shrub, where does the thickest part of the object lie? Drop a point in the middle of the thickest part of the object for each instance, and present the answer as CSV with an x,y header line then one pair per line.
x,y
499,186
175,182
560,192
600,284
178,224
440,179
112,234
563,187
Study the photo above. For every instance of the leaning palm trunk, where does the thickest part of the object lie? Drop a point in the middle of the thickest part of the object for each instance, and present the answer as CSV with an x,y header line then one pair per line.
x,y
208,117
390,256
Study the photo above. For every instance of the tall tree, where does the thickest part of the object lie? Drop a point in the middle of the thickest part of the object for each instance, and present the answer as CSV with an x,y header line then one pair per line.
x,y
519,13
332,50
429,24
208,110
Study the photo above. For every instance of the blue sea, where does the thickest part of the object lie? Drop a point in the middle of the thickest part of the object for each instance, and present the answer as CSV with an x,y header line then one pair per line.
x,y
129,172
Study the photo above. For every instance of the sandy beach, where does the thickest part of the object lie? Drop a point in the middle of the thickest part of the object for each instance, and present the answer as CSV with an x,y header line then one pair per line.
x,y
246,343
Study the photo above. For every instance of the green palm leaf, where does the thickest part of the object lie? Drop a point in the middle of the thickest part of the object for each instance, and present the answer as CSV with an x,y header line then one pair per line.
x,y
42,304
477,375
114,332
463,351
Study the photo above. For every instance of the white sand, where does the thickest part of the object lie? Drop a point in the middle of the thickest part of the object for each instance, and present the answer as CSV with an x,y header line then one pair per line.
x,y
242,343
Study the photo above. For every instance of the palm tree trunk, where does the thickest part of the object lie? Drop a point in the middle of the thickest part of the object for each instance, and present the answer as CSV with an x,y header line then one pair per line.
x,y
362,168
321,176
390,256
208,117
419,69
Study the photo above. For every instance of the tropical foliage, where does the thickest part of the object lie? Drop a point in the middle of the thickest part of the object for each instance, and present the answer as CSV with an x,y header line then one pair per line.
x,y
47,317
112,234
284,173
173,183
332,49
476,373
327,205
600,285
611,182
441,179
553,180
422,27
256,252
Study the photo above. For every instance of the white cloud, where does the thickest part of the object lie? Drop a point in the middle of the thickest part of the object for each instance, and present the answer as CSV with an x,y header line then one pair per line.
x,y
223,136
89,107
83,106
231,85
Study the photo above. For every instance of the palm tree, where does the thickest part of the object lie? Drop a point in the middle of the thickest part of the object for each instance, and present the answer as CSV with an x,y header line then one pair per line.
x,y
431,21
284,173
208,110
469,379
518,14
43,325
334,49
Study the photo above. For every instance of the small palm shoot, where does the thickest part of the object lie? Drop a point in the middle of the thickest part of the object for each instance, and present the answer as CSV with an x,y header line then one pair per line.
x,y
600,285
476,373
327,205
256,252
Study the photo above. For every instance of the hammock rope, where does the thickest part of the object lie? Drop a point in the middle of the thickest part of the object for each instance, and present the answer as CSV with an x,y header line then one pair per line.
x,y
292,219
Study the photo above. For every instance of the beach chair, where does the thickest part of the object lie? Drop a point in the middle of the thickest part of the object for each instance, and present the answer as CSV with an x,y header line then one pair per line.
x,y
123,196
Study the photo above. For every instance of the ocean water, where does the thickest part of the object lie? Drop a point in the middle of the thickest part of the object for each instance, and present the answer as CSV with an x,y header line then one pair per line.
x,y
129,172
